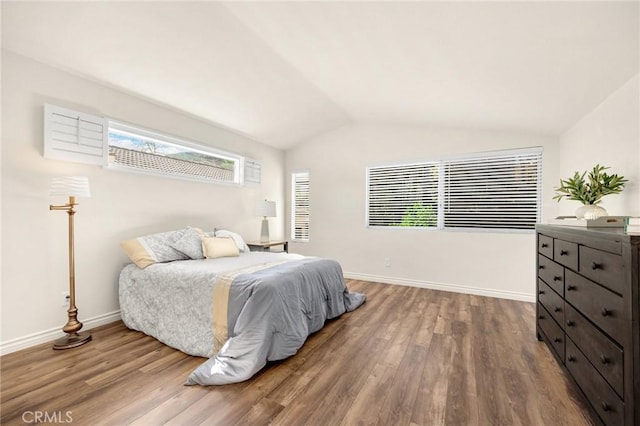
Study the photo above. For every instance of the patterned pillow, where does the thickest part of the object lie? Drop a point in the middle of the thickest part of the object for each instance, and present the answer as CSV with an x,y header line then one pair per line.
x,y
150,249
191,243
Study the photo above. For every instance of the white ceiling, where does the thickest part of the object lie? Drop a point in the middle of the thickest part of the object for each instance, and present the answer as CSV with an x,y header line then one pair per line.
x,y
282,72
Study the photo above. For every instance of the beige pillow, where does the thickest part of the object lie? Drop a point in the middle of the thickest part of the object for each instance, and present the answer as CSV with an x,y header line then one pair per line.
x,y
214,247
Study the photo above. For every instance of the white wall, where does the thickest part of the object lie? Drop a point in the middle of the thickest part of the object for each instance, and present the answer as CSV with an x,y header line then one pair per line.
x,y
610,136
122,206
497,264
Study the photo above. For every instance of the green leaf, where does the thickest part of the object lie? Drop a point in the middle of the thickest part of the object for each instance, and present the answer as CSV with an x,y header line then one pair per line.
x,y
598,185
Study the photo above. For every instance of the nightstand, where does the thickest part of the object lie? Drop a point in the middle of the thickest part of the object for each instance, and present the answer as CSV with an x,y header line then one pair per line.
x,y
253,246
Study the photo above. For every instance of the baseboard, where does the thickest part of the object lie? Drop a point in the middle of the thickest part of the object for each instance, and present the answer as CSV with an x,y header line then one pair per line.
x,y
50,335
512,295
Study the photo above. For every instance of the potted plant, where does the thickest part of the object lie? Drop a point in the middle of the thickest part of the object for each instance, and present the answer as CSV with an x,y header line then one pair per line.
x,y
590,191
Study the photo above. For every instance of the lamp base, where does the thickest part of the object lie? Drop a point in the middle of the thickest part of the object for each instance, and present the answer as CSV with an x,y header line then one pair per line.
x,y
264,231
72,340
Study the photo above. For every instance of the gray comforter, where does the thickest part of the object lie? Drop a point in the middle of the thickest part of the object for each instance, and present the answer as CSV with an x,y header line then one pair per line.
x,y
270,312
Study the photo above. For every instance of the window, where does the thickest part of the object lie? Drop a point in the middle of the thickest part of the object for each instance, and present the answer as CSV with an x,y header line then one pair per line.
x,y
403,195
76,136
499,190
300,206
493,192
141,150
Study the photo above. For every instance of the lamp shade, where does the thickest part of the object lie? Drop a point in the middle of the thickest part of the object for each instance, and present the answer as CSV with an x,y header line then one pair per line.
x,y
70,186
266,209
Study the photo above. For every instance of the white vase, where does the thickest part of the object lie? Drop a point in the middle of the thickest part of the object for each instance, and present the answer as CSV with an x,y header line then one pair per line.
x,y
590,212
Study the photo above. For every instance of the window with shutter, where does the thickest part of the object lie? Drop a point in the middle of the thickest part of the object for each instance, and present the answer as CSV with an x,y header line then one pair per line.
x,y
76,136
300,206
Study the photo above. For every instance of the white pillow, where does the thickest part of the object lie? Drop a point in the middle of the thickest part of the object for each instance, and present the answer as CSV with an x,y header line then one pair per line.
x,y
242,246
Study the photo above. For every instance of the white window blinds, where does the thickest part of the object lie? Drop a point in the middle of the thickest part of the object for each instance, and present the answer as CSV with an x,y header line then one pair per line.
x,y
300,206
499,190
403,195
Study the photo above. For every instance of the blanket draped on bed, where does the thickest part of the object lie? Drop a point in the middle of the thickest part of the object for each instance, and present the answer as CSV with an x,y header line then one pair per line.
x,y
220,312
270,312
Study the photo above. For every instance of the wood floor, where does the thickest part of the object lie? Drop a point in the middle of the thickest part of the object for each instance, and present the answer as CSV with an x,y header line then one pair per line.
x,y
408,356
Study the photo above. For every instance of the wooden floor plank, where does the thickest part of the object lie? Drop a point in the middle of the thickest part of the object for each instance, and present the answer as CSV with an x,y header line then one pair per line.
x,y
408,356
431,399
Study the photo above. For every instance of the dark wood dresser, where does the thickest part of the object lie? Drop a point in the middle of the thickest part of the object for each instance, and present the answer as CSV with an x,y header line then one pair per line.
x,y
588,313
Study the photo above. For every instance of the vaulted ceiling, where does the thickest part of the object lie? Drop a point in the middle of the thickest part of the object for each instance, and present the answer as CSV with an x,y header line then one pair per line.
x,y
282,72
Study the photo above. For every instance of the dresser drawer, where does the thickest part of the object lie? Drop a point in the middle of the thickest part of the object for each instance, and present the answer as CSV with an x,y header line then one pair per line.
x,y
604,268
604,400
551,301
603,307
552,331
551,273
566,253
605,355
545,245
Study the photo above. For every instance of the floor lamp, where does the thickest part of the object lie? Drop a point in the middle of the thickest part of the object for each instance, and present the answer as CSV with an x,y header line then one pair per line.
x,y
72,187
265,209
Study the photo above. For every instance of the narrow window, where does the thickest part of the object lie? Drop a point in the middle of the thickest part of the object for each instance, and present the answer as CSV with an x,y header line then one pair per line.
x,y
136,149
300,206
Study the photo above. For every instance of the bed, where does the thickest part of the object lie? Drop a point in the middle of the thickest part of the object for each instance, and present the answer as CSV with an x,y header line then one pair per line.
x,y
238,311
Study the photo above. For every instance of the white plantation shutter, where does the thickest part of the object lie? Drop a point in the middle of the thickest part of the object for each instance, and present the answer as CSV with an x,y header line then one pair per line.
x,y
74,136
402,195
252,171
498,191
300,206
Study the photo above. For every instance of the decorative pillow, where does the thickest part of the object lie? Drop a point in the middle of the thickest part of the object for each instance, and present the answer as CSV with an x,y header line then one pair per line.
x,y
242,246
190,244
150,249
214,247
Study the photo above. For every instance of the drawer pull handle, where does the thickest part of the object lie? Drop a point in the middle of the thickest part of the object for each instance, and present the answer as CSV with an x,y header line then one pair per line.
x,y
570,323
595,266
540,291
571,358
545,245
541,267
557,339
606,312
557,309
557,278
563,252
540,316
605,406
604,359
571,287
